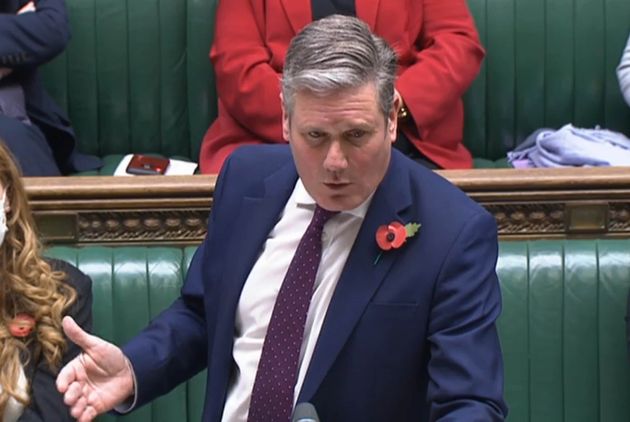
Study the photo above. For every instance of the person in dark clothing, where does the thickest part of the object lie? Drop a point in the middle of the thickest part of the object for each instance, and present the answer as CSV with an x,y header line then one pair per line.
x,y
33,126
35,294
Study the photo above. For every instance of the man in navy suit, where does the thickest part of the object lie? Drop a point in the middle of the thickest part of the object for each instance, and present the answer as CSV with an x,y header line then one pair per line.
x,y
34,128
401,322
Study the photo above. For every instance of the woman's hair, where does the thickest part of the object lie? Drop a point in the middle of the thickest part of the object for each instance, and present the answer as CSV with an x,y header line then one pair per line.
x,y
27,285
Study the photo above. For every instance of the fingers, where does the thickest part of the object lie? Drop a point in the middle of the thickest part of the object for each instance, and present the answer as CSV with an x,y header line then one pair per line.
x,y
79,407
76,401
83,412
77,398
67,375
92,381
73,395
88,415
79,337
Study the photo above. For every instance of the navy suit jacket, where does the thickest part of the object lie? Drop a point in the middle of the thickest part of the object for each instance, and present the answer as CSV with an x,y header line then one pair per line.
x,y
411,337
26,42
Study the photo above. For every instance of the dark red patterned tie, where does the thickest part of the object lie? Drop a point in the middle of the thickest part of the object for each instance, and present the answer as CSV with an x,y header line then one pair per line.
x,y
272,395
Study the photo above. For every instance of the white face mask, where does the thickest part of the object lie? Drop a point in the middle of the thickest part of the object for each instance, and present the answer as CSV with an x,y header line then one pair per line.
x,y
3,218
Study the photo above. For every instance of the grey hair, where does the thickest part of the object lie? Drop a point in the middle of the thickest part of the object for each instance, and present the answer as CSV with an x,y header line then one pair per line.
x,y
335,53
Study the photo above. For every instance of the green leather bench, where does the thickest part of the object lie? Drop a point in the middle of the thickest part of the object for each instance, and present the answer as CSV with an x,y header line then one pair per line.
x,y
562,328
136,76
131,285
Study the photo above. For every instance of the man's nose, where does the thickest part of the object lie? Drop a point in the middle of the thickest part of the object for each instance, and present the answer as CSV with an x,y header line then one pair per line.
x,y
335,157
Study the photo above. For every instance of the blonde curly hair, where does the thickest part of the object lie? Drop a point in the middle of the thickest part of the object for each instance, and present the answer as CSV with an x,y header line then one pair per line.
x,y
28,285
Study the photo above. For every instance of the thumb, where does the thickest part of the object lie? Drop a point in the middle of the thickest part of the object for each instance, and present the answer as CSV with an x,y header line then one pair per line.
x,y
76,334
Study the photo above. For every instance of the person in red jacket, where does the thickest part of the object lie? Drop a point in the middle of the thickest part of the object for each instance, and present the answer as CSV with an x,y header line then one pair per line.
x,y
439,55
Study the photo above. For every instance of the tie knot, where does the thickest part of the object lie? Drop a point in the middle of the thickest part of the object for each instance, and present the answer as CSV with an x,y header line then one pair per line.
x,y
320,216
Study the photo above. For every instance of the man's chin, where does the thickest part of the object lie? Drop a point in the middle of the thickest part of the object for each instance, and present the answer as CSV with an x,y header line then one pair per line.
x,y
339,202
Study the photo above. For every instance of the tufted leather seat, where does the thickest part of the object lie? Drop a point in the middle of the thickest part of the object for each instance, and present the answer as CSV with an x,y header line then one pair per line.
x,y
562,327
563,331
136,76
131,285
548,63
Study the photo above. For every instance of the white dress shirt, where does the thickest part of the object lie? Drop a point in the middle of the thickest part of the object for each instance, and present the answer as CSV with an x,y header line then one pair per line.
x,y
263,284
14,408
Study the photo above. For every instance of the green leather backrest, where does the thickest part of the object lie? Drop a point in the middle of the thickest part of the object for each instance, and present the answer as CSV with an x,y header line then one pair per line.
x,y
563,331
562,328
549,62
136,76
131,285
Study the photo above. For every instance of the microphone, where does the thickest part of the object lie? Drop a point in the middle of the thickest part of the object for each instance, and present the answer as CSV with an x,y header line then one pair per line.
x,y
305,412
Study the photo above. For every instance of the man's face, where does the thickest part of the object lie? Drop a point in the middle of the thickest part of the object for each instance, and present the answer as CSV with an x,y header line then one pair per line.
x,y
341,144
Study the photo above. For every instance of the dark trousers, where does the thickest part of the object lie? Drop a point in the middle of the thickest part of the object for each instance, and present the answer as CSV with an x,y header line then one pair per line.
x,y
29,147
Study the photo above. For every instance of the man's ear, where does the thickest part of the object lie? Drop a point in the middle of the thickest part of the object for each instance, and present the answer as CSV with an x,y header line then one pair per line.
x,y
285,120
392,118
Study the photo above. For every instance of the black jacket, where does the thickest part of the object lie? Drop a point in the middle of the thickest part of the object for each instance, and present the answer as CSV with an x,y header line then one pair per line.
x,y
46,402
26,42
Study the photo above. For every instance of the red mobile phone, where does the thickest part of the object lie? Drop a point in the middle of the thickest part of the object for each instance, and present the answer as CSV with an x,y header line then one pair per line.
x,y
146,165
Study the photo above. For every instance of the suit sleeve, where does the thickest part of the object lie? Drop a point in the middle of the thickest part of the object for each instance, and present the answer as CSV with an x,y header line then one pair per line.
x,y
466,367
447,60
174,346
33,38
248,86
46,402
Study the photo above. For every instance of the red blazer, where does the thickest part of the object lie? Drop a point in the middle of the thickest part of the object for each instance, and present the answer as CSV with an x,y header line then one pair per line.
x,y
439,57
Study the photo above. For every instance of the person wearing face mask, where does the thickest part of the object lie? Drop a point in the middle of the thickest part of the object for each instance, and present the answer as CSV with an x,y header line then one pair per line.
x,y
35,294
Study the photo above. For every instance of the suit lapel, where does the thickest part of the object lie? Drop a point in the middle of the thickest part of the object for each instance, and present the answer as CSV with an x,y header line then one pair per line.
x,y
298,12
257,216
31,358
360,277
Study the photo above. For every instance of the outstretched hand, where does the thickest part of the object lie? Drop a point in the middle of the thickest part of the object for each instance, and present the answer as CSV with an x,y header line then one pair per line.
x,y
97,379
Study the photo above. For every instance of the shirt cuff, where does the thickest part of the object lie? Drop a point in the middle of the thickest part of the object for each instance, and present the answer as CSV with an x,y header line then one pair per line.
x,y
130,403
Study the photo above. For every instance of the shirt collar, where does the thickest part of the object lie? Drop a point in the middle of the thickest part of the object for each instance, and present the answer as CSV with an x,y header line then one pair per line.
x,y
303,199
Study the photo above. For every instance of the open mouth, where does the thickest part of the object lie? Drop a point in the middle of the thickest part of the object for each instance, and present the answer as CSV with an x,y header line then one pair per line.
x,y
336,185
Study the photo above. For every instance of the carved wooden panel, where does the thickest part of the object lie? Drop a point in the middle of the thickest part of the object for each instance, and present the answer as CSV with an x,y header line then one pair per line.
x,y
619,217
106,210
143,226
528,217
527,204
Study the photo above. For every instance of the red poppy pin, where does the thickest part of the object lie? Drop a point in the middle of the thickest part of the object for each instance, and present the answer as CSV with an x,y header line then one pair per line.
x,y
22,325
394,235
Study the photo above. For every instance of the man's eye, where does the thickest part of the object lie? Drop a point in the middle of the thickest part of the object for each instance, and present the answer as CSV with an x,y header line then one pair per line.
x,y
355,134
315,135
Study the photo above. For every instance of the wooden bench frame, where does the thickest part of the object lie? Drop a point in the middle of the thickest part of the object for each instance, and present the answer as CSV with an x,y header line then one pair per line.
x,y
527,204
